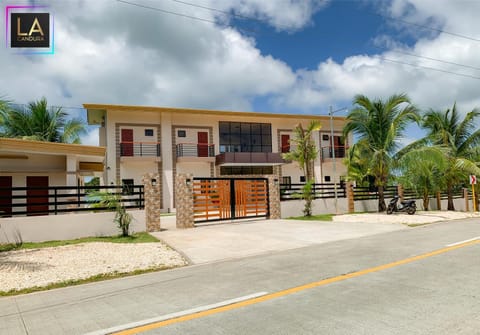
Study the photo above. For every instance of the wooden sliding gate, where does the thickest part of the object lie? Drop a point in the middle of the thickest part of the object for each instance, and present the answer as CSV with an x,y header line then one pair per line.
x,y
216,199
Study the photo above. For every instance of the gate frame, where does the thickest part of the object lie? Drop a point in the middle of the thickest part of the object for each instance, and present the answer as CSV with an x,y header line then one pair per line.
x,y
233,198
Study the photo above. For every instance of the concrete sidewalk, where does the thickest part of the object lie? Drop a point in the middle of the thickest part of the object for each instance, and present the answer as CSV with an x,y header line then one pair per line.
x,y
239,239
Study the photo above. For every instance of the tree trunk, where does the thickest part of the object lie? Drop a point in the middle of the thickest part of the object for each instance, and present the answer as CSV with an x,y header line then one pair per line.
x,y
381,200
425,201
450,206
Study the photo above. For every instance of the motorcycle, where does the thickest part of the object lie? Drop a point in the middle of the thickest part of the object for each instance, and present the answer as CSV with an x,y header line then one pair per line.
x,y
408,206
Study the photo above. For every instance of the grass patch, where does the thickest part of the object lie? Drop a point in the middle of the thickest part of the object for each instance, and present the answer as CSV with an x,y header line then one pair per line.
x,y
93,279
320,217
142,237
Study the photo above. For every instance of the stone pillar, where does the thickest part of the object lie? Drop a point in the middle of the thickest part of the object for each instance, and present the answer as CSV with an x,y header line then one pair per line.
x,y
400,191
350,197
439,202
465,196
184,200
152,191
274,196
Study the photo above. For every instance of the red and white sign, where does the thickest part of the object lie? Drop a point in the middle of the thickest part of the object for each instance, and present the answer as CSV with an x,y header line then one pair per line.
x,y
473,179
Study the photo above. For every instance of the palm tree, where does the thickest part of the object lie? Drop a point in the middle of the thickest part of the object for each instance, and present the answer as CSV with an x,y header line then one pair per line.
x,y
38,122
3,109
379,125
460,138
304,153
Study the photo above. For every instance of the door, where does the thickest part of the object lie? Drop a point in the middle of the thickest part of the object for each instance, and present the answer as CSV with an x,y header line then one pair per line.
x,y
202,144
5,196
339,144
37,195
285,143
126,146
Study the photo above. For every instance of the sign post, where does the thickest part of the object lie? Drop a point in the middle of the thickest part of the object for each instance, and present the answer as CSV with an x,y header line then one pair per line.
x,y
473,181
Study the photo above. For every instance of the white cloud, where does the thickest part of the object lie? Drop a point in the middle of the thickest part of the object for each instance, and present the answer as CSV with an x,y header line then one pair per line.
x,y
109,52
91,138
115,53
375,76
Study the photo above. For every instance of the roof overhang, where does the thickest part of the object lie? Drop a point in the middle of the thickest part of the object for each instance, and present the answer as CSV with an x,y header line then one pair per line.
x,y
95,112
16,146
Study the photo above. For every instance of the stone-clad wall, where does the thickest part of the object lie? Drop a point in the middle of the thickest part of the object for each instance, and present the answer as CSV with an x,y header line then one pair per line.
x,y
152,192
274,196
184,200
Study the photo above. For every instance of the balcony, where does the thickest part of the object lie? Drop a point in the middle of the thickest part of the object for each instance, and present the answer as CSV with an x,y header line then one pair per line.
x,y
140,150
195,152
340,151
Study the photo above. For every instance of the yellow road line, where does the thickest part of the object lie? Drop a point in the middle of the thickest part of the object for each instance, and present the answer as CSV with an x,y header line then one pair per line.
x,y
292,290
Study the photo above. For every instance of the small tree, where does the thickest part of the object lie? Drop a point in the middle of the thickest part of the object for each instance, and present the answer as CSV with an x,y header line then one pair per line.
x,y
112,201
304,153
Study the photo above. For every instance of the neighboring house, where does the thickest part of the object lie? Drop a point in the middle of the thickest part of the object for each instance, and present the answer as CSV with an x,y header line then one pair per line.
x,y
207,143
35,164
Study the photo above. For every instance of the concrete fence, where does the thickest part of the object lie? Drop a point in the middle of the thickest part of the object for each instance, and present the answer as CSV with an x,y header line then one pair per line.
x,y
65,227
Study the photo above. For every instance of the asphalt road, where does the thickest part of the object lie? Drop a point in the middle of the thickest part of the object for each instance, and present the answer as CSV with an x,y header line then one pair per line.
x,y
437,293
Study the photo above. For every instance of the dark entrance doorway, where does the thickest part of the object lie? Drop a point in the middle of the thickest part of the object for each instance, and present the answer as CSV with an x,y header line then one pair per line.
x,y
5,196
37,195
202,146
127,142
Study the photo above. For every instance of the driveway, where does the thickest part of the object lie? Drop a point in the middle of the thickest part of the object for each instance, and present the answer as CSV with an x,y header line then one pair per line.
x,y
215,242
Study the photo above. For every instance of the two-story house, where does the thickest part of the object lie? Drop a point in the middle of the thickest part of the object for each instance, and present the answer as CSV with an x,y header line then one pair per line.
x,y
208,143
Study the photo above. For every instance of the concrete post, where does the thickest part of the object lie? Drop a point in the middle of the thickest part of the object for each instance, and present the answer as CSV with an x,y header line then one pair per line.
x,y
184,200
465,196
274,196
439,201
152,188
350,197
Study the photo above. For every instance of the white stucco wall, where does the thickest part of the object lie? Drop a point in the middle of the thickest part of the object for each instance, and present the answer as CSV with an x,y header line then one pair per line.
x,y
320,206
66,226
35,162
136,169
197,169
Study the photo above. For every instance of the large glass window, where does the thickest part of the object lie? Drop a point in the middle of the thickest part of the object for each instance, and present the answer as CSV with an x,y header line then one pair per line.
x,y
245,137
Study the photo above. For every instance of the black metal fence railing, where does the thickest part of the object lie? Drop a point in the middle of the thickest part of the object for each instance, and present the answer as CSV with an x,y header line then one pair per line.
x,y
340,151
368,193
195,150
62,199
128,149
319,191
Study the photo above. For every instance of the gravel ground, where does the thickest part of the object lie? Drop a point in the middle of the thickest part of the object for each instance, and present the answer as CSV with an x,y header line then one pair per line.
x,y
39,267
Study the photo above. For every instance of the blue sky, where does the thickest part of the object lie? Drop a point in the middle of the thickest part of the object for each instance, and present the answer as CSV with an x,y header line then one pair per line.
x,y
290,56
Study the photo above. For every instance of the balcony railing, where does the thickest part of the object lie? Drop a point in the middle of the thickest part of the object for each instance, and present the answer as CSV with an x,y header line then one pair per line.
x,y
195,150
340,151
135,149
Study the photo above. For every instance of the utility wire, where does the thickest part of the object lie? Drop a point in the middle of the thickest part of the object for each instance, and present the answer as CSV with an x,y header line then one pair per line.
x,y
65,107
428,68
243,17
166,11
184,15
430,58
381,57
429,28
